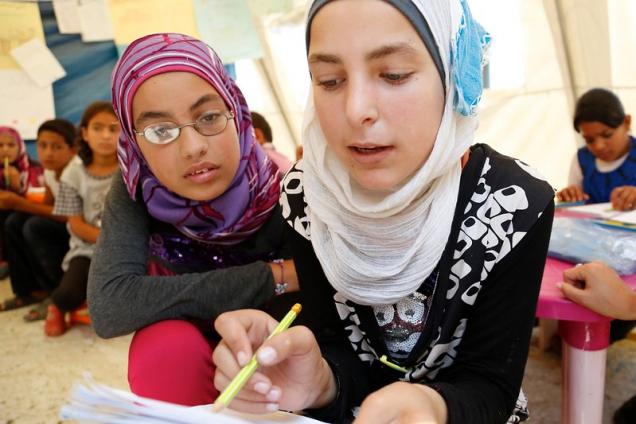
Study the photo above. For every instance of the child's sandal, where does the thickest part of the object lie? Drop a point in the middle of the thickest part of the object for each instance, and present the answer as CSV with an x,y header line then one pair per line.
x,y
80,315
39,312
54,325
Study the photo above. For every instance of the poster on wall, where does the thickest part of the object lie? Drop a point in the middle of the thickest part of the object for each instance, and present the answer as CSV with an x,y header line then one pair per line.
x,y
67,16
95,22
19,23
228,27
135,18
25,105
38,62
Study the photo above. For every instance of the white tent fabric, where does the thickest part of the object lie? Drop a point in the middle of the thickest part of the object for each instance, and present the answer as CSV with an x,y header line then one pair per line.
x,y
545,54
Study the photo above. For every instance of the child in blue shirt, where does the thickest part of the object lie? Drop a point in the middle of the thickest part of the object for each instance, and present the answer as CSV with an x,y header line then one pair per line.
x,y
604,170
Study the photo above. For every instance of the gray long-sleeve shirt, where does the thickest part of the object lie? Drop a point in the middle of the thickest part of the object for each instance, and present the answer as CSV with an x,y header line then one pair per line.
x,y
122,298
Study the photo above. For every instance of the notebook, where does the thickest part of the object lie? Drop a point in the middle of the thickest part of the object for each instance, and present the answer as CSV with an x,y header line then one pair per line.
x,y
96,403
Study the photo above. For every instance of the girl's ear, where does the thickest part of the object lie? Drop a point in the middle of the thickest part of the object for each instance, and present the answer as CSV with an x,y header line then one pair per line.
x,y
83,132
628,122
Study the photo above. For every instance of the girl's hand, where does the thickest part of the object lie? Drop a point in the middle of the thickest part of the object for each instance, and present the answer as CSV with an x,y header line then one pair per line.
x,y
9,200
572,193
623,198
14,179
599,288
292,374
403,403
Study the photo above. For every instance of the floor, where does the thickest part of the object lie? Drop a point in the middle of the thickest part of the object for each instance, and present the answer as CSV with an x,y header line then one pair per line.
x,y
37,373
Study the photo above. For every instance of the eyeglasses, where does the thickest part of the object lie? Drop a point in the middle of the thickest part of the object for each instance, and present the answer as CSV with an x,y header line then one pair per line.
x,y
210,123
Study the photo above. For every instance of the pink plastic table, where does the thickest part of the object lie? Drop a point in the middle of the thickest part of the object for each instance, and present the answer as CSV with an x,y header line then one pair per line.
x,y
585,336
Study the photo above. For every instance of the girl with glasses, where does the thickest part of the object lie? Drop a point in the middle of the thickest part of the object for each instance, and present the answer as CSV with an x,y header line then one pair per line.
x,y
192,228
419,253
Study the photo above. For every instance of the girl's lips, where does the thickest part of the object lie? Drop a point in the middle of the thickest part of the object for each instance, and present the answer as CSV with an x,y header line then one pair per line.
x,y
370,155
202,174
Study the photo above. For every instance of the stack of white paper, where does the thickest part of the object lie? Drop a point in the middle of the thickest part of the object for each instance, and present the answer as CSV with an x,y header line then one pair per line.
x,y
96,403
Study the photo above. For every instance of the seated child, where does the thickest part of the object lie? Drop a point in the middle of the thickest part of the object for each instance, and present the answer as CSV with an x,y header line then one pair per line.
x,y
19,172
604,170
36,240
263,134
83,188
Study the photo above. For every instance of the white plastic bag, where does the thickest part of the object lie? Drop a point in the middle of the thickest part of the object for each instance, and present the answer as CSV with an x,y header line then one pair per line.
x,y
583,240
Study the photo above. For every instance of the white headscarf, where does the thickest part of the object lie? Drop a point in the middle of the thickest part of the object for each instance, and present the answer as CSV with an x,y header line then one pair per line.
x,y
377,250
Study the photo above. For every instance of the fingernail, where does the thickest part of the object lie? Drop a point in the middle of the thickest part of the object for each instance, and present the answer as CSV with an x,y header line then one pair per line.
x,y
242,358
262,388
272,407
266,355
273,395
559,285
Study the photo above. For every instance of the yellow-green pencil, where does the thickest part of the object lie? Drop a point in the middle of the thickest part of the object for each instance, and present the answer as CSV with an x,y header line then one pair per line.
x,y
249,369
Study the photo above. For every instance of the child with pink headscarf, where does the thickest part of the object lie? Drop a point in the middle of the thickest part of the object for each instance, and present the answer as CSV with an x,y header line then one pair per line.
x,y
19,172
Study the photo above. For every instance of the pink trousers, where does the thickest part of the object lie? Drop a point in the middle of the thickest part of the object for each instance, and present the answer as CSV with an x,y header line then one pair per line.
x,y
172,361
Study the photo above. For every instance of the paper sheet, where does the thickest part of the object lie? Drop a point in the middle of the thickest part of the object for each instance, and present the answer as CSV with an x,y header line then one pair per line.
x,y
95,21
98,403
135,18
26,105
600,210
227,26
67,16
626,217
605,211
19,22
38,62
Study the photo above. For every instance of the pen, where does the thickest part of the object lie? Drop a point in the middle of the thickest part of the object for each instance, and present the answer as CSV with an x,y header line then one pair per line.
x,y
7,177
396,367
249,369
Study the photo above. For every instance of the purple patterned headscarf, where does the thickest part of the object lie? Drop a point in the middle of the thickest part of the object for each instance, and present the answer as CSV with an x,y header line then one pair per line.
x,y
249,200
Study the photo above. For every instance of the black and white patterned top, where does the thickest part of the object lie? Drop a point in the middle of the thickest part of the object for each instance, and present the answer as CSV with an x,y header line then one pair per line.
x,y
466,331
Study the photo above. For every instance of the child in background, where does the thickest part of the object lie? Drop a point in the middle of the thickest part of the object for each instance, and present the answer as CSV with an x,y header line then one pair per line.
x,y
413,246
22,172
193,229
604,170
81,196
36,240
263,134
18,173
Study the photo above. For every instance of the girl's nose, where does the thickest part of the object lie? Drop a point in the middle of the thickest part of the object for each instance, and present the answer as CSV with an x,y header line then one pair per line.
x,y
361,106
599,144
192,145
